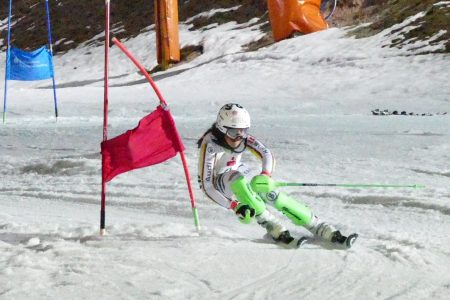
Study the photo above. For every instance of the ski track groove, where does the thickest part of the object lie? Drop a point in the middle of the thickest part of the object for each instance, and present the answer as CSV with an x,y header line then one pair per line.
x,y
258,283
404,291
387,201
169,206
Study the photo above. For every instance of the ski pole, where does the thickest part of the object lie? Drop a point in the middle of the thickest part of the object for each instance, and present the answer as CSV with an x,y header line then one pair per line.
x,y
265,184
351,185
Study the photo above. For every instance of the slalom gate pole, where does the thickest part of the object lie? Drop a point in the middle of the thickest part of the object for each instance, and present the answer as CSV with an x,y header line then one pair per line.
x,y
142,69
191,192
163,104
8,51
50,42
105,118
350,185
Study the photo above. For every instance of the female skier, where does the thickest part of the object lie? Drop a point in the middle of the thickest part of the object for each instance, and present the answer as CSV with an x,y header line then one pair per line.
x,y
223,178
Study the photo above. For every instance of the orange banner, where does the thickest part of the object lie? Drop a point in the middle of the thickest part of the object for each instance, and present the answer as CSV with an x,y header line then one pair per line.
x,y
288,16
167,36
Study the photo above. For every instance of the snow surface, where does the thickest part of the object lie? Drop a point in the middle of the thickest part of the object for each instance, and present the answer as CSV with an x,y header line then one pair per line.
x,y
310,98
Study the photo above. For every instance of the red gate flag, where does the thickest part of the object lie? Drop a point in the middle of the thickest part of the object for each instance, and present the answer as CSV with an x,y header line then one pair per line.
x,y
153,141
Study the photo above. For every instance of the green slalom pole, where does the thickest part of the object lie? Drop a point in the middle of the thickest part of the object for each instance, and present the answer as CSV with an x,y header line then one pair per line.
x,y
351,185
265,184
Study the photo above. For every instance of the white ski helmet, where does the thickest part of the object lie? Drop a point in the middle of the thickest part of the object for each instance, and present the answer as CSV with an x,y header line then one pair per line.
x,y
232,115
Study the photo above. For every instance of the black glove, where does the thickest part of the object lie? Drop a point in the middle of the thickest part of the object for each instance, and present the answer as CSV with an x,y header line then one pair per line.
x,y
245,213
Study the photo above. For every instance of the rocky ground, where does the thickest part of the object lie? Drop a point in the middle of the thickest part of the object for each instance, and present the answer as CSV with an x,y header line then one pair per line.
x,y
82,21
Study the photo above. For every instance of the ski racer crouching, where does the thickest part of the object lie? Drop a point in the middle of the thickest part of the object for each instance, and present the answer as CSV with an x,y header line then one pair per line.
x,y
222,177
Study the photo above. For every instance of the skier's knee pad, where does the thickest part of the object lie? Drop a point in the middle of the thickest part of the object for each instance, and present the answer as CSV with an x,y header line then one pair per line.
x,y
298,213
263,184
245,194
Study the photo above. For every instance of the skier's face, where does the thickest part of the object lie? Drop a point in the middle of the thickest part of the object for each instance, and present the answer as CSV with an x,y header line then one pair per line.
x,y
233,142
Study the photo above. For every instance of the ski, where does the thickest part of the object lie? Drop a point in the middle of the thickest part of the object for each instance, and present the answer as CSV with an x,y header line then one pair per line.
x,y
351,239
295,243
338,242
287,241
342,243
345,241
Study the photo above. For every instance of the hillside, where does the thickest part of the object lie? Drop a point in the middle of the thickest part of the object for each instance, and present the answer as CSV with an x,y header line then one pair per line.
x,y
429,20
82,21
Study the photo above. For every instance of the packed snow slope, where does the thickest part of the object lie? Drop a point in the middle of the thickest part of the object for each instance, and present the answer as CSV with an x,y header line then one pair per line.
x,y
310,98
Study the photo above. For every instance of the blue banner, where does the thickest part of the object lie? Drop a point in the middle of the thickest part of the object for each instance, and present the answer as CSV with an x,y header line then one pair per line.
x,y
28,66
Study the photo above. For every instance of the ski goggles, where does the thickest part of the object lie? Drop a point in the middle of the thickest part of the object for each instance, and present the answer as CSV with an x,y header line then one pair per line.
x,y
235,133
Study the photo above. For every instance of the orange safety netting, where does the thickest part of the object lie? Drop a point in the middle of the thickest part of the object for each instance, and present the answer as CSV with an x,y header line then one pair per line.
x,y
287,16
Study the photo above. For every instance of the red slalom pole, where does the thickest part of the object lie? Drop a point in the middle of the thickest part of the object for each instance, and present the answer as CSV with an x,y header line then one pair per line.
x,y
142,69
105,117
163,104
